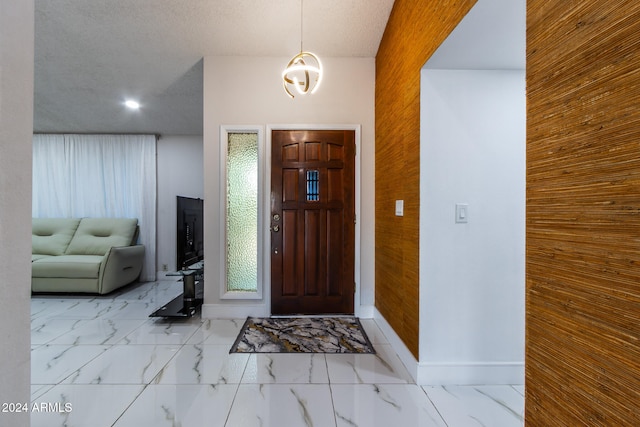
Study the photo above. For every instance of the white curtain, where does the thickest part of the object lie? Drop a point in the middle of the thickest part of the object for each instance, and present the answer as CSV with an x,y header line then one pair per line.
x,y
98,176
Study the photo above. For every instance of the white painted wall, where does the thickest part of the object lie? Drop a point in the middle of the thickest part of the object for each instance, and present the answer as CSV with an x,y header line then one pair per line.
x,y
472,277
180,173
248,91
16,130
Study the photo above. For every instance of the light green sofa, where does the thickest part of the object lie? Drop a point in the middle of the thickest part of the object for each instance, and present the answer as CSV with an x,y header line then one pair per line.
x,y
88,255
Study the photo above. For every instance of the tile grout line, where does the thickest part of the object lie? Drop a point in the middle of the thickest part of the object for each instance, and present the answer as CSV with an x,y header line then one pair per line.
x,y
235,395
333,403
434,405
130,404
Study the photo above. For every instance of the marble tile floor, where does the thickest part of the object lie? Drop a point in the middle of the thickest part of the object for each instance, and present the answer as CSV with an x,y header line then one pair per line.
x,y
102,362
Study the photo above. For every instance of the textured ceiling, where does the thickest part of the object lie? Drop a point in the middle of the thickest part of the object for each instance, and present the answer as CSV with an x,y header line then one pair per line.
x,y
91,55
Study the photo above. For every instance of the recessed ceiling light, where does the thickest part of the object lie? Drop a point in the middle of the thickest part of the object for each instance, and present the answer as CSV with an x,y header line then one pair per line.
x,y
132,104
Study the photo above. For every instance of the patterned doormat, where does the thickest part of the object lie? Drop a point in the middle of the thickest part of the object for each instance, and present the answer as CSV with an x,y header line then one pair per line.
x,y
302,335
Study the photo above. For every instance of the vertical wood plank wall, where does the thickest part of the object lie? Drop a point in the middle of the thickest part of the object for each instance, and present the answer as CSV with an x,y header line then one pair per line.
x,y
583,213
415,30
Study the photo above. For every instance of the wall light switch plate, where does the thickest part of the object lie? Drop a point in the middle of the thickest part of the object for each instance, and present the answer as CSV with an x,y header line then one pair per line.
x,y
399,207
462,213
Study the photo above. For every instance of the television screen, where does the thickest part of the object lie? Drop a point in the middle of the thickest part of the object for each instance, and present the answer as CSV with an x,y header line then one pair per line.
x,y
190,236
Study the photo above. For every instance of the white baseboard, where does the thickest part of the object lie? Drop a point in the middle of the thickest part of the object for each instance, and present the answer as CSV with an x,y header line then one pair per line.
x,y
237,311
365,311
454,373
233,311
399,347
472,373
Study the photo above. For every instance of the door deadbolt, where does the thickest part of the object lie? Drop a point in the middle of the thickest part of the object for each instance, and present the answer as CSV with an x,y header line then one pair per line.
x,y
276,217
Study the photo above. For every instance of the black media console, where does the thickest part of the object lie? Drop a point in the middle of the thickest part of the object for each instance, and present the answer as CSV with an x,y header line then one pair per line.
x,y
189,302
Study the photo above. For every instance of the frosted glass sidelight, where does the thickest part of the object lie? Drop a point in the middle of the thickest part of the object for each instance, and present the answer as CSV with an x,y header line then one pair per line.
x,y
242,212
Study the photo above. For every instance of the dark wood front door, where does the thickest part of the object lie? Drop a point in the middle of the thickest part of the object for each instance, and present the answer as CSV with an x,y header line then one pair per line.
x,y
312,221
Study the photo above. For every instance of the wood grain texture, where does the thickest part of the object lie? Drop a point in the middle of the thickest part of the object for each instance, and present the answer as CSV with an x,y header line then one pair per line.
x,y
415,30
313,199
583,213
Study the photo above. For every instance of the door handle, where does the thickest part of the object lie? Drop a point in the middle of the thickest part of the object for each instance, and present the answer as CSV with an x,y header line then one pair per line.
x,y
275,228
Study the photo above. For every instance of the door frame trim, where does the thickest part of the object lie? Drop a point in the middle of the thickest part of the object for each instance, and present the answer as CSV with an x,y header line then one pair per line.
x,y
266,238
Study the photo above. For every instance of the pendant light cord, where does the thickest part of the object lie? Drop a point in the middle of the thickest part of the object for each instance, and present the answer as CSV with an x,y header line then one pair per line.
x,y
301,22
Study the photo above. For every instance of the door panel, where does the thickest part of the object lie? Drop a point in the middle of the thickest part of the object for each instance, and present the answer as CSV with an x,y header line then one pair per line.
x,y
312,222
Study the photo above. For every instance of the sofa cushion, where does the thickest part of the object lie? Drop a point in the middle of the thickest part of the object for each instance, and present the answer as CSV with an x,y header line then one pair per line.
x,y
35,257
51,236
95,236
67,266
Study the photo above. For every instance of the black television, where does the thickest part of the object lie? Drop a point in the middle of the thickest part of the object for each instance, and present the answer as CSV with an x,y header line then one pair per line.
x,y
189,236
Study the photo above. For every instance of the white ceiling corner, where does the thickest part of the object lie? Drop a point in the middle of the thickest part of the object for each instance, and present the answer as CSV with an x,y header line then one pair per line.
x,y
491,36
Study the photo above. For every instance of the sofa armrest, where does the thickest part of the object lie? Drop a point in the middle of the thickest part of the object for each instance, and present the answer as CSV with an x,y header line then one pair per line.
x,y
121,265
